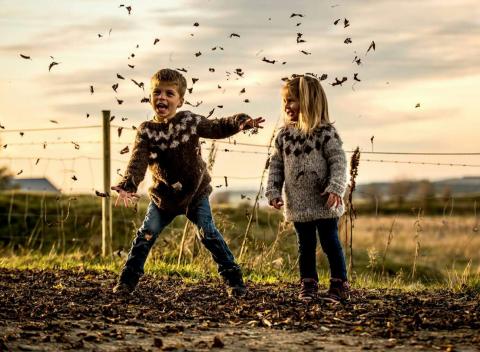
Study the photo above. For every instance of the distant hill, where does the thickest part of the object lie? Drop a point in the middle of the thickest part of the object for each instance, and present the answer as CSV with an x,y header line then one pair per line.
x,y
411,189
456,187
237,197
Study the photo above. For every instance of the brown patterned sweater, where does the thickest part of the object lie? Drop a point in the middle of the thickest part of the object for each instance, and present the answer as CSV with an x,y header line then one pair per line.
x,y
171,150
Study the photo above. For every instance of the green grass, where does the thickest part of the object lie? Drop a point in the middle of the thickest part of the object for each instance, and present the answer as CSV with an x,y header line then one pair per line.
x,y
194,272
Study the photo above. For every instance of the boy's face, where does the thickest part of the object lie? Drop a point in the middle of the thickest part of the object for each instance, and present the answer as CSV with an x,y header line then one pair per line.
x,y
165,100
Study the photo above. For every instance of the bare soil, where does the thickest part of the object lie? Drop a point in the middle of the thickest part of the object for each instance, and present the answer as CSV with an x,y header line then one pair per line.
x,y
53,310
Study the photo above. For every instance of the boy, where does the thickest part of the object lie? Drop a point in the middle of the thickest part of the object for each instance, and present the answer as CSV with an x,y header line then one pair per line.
x,y
169,146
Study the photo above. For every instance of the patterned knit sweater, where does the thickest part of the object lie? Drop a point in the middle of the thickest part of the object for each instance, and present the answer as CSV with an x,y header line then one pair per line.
x,y
171,150
305,166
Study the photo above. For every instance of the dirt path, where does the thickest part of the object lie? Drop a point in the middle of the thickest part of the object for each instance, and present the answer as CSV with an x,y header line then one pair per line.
x,y
75,310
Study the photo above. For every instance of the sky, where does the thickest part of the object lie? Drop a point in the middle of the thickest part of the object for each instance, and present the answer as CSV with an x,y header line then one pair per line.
x,y
418,90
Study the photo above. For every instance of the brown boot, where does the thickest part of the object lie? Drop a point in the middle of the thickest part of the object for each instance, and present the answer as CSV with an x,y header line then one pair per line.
x,y
339,290
234,280
308,290
122,289
127,282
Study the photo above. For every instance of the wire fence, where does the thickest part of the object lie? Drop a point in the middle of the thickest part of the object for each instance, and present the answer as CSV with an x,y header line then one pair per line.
x,y
57,159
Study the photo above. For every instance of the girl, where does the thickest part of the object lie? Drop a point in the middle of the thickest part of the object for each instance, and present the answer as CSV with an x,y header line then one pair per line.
x,y
310,164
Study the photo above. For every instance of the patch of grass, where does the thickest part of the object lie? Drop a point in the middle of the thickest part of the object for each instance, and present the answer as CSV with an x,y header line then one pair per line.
x,y
76,260
194,272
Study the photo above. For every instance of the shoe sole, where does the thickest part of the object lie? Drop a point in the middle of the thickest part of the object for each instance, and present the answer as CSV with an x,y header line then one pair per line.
x,y
306,299
236,294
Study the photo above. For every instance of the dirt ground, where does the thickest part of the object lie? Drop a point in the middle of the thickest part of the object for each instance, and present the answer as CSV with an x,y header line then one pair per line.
x,y
53,310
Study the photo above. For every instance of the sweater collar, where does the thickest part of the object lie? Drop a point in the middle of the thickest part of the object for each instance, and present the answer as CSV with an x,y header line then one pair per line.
x,y
174,118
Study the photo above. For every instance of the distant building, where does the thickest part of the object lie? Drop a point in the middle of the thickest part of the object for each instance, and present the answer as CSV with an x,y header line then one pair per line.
x,y
33,185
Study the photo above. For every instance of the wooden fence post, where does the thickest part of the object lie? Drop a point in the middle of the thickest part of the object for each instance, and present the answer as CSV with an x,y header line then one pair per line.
x,y
106,203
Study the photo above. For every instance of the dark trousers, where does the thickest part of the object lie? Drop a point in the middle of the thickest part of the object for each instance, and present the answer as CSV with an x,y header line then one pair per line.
x,y
156,220
307,244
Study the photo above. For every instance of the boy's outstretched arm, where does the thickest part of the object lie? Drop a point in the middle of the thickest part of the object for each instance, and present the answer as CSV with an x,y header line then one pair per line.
x,y
252,123
227,126
276,176
127,197
136,168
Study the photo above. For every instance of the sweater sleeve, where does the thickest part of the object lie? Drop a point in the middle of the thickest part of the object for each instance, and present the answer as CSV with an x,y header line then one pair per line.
x,y
276,174
137,165
337,162
220,128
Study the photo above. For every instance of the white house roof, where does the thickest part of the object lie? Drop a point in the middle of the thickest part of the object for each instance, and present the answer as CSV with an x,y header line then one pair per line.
x,y
34,184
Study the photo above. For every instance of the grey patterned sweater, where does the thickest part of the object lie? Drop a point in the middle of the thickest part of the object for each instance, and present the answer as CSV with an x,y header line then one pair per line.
x,y
171,150
305,166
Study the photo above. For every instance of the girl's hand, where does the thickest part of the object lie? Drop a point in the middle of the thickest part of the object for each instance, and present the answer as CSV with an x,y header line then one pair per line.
x,y
333,200
126,196
252,123
276,203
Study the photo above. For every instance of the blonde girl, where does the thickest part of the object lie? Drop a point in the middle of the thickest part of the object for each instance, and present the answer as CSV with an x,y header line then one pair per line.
x,y
309,166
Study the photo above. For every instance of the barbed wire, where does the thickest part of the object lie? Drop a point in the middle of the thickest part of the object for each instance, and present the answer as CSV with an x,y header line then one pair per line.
x,y
216,141
49,128
230,149
419,162
418,153
249,152
248,145
58,142
58,159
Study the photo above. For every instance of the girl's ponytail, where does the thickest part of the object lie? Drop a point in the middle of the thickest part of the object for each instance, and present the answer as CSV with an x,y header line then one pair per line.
x,y
307,120
313,104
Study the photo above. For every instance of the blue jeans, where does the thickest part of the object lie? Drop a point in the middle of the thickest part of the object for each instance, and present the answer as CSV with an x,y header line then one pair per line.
x,y
156,220
307,244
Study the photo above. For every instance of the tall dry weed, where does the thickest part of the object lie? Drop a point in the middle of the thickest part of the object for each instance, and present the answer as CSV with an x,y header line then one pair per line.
x,y
354,163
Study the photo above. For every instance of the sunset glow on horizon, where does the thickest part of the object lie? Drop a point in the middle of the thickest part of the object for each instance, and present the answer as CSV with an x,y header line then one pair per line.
x,y
417,90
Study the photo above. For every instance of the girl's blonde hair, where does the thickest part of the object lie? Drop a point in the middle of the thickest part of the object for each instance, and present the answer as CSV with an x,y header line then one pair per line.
x,y
313,102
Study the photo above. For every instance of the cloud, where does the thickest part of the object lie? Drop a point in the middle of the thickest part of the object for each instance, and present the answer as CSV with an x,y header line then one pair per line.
x,y
70,37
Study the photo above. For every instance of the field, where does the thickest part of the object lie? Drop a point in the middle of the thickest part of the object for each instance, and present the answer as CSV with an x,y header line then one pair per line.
x,y
416,281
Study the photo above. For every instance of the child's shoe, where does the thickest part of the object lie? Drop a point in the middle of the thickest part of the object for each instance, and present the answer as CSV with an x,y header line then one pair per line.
x,y
122,289
339,290
233,279
127,282
308,290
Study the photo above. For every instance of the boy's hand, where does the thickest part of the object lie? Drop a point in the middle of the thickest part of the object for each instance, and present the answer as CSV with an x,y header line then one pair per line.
x,y
252,123
126,196
333,200
276,203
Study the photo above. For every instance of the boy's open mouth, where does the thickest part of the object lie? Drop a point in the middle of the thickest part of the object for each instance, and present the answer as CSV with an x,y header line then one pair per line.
x,y
162,106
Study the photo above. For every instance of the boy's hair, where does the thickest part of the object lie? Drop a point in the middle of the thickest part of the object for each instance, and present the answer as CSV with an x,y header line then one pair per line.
x,y
167,75
313,102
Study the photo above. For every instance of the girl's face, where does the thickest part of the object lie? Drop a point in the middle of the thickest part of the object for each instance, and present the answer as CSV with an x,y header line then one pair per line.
x,y
291,107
